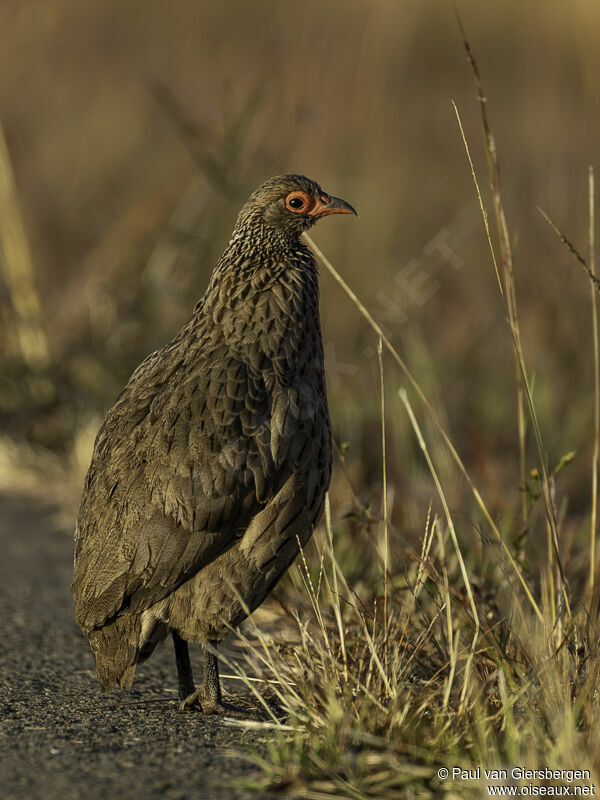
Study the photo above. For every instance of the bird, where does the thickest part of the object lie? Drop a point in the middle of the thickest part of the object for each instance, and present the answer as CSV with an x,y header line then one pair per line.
x,y
210,471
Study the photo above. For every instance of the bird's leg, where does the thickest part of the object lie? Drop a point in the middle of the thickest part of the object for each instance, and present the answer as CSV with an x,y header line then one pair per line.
x,y
211,685
208,697
185,676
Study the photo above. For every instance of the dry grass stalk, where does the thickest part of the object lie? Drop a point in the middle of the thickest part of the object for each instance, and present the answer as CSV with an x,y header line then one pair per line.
x,y
509,296
594,301
427,405
508,292
17,266
507,284
385,523
593,590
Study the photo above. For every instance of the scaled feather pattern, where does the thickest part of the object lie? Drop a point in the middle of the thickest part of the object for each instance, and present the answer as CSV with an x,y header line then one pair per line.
x,y
213,464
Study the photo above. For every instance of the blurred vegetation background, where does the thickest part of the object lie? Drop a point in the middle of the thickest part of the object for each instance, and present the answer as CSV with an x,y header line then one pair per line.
x,y
133,133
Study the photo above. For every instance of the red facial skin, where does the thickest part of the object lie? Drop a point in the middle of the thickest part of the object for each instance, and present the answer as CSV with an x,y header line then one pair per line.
x,y
317,206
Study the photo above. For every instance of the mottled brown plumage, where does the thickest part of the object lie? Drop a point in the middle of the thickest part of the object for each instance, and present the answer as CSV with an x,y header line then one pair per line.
x,y
215,459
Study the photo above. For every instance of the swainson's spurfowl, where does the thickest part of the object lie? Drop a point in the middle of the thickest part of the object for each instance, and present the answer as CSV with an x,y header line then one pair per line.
x,y
213,464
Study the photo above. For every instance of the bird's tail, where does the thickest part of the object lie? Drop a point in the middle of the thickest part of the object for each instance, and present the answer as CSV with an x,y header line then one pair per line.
x,y
115,648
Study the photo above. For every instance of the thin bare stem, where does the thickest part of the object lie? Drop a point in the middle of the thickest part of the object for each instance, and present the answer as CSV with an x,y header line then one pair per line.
x,y
447,606
386,550
335,599
574,251
420,578
593,295
510,303
449,522
507,287
453,452
595,288
482,207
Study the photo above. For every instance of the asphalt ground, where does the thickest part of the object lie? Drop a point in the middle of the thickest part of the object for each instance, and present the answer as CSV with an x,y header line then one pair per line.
x,y
59,736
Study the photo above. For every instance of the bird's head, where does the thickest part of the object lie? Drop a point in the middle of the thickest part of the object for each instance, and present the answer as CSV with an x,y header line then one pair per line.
x,y
291,204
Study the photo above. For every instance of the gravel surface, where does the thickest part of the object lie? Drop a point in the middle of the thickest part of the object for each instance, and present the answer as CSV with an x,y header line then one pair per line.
x,y
59,736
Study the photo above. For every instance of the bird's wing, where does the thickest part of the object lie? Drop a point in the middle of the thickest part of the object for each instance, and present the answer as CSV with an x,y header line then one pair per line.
x,y
181,464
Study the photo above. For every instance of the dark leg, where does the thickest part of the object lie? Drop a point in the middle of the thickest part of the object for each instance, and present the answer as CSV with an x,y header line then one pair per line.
x,y
208,697
211,684
184,667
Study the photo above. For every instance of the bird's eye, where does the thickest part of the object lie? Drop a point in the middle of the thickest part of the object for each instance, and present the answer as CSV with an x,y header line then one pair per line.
x,y
296,201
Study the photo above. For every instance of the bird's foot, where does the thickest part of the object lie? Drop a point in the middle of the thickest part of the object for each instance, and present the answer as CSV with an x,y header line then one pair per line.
x,y
201,701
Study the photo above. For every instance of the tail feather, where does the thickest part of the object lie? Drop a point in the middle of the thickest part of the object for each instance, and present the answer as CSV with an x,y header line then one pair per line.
x,y
115,648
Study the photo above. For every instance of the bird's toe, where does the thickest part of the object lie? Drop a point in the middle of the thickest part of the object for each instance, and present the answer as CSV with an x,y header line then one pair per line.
x,y
192,702
200,701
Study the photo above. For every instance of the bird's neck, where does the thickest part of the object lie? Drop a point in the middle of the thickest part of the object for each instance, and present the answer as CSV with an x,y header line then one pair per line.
x,y
253,238
265,295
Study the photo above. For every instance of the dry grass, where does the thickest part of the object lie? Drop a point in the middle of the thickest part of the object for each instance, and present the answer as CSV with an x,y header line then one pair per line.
x,y
443,673
446,612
